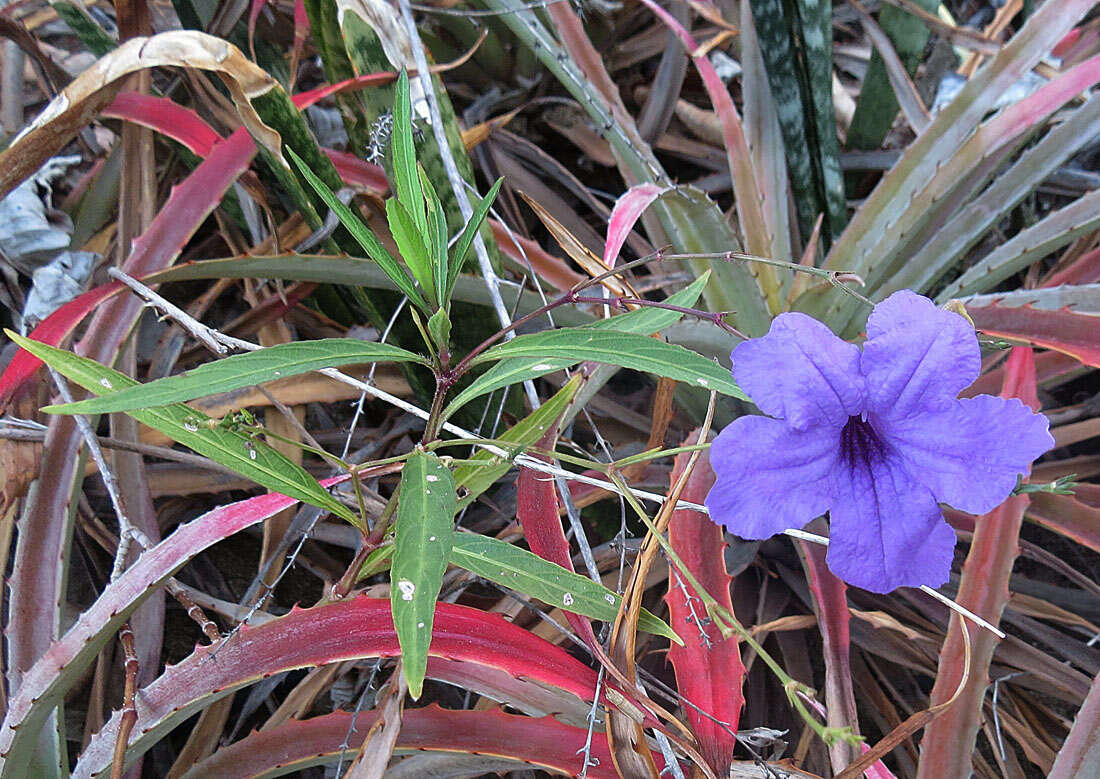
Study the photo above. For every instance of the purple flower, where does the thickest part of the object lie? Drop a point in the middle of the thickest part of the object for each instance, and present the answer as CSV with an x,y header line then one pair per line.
x,y
876,438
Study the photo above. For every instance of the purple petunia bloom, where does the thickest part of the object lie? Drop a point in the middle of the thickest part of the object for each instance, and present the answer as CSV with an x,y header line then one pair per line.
x,y
876,437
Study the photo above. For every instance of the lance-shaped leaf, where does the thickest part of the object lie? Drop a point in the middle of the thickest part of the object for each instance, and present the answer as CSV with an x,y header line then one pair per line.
x,y
530,574
362,234
297,744
646,320
466,237
406,180
352,629
249,457
410,242
242,370
423,535
626,350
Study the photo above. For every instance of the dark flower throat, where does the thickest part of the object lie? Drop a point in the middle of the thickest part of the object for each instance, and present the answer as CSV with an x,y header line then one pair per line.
x,y
860,444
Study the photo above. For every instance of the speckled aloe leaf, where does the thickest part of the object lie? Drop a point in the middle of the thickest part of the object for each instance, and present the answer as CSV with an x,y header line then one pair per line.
x,y
626,350
525,572
796,43
252,458
423,535
47,681
242,370
518,369
297,744
346,630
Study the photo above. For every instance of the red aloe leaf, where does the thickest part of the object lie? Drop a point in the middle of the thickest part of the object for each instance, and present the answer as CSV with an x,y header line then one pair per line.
x,y
628,209
1074,516
52,330
1080,754
543,743
165,116
709,673
188,205
44,685
949,741
1084,270
346,630
1063,330
1048,366
537,512
357,172
830,599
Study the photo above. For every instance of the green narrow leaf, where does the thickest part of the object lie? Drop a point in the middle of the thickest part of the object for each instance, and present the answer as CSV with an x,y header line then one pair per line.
x,y
466,239
627,350
406,179
646,320
362,234
242,370
436,236
526,572
249,457
484,468
410,242
423,535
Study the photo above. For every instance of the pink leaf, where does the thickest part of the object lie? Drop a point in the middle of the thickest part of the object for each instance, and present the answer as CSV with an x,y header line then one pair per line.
x,y
188,205
537,512
746,188
624,215
44,685
949,740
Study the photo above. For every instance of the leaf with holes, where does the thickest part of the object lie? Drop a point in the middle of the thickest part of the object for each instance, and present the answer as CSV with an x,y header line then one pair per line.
x,y
525,572
423,535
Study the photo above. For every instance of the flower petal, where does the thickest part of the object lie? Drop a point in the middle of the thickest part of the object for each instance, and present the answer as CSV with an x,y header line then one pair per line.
x,y
886,530
770,477
970,454
917,357
801,372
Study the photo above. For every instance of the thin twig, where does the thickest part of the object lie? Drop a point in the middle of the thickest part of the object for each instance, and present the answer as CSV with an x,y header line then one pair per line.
x,y
129,707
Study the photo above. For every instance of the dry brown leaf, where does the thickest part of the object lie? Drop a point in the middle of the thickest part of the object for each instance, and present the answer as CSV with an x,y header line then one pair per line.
x,y
82,100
